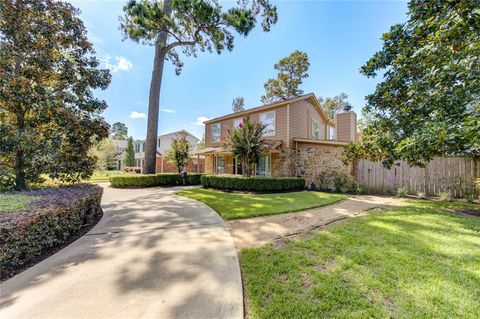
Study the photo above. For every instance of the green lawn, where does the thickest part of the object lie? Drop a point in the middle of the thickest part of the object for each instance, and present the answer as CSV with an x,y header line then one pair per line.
x,y
414,261
15,202
236,205
99,177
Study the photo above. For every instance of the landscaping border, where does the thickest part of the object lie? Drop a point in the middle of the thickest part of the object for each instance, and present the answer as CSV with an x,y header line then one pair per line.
x,y
253,184
150,180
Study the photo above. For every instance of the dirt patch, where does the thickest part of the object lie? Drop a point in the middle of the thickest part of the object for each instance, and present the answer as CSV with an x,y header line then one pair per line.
x,y
328,266
258,231
474,213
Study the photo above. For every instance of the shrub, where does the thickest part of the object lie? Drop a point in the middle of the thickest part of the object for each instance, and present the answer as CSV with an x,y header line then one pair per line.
x,y
254,184
402,191
470,198
150,180
359,190
343,182
48,222
445,196
422,195
133,169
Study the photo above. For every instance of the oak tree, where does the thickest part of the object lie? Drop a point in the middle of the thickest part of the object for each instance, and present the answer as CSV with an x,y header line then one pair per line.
x,y
428,103
49,116
189,26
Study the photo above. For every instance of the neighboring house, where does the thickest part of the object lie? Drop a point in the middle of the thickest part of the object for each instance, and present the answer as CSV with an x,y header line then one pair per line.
x,y
195,164
300,140
120,158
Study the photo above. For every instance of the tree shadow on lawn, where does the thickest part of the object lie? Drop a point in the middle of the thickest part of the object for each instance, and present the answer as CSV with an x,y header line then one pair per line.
x,y
157,255
417,263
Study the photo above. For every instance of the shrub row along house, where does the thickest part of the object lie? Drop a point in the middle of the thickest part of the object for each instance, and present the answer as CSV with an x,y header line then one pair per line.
x,y
194,165
300,140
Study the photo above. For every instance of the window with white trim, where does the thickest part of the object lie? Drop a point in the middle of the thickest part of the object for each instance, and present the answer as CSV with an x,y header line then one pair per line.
x,y
237,123
267,119
315,130
216,129
331,132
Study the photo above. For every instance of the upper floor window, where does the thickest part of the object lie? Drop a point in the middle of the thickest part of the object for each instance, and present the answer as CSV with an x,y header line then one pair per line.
x,y
143,147
137,148
216,129
237,123
315,130
331,132
158,145
267,119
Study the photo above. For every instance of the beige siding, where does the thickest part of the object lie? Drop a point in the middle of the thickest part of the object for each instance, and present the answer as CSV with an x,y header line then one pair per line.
x,y
301,115
346,126
226,125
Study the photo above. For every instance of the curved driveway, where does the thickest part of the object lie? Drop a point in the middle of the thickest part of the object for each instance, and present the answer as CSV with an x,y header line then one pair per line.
x,y
153,255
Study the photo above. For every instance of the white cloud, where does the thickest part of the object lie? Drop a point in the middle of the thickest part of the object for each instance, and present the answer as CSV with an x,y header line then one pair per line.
x,y
167,110
122,64
137,115
200,120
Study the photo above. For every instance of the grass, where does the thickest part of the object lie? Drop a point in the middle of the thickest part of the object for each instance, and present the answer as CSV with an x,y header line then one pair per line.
x,y
99,177
413,261
236,205
15,202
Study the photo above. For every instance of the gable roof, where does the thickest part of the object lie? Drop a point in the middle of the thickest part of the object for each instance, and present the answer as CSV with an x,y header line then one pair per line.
x,y
309,97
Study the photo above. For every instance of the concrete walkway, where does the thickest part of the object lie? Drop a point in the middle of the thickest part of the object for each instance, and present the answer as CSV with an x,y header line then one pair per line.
x,y
258,231
153,255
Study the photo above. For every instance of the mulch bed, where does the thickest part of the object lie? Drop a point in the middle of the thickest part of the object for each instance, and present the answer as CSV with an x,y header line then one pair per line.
x,y
474,213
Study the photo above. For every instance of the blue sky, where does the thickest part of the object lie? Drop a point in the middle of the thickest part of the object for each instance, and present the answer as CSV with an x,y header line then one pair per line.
x,y
338,36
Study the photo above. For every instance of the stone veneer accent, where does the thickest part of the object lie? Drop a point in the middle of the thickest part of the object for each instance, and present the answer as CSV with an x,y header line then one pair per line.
x,y
313,162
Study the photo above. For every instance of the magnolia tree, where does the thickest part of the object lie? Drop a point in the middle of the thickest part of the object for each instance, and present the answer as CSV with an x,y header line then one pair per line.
x,y
189,26
179,152
428,103
49,116
246,143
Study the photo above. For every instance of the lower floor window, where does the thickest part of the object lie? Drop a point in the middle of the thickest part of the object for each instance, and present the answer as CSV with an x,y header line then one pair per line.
x,y
264,166
220,165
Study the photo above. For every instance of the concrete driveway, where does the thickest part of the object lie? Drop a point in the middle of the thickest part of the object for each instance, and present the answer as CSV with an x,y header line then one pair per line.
x,y
153,255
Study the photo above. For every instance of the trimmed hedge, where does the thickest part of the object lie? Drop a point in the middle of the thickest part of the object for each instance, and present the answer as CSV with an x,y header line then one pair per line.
x,y
48,222
149,180
253,184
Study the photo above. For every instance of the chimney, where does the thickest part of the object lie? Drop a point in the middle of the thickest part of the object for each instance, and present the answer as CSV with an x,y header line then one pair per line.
x,y
346,126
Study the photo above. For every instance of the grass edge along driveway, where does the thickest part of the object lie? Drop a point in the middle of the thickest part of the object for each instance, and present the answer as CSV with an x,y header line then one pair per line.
x,y
238,205
412,261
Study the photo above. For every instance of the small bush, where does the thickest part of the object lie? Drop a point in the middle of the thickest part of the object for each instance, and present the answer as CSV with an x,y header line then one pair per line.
x,y
253,184
133,169
150,180
422,195
402,191
48,222
343,182
445,196
359,190
470,198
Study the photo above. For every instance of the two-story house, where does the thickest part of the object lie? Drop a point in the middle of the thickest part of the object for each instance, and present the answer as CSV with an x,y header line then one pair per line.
x,y
195,164
300,139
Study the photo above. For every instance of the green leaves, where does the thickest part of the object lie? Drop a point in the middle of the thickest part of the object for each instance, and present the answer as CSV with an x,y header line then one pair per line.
x,y
291,72
179,152
49,115
192,25
431,80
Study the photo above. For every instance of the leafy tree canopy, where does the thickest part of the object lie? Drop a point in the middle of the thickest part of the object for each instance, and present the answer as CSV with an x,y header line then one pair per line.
x,y
246,143
238,104
119,131
105,152
130,153
49,116
333,105
179,152
291,72
192,25
428,103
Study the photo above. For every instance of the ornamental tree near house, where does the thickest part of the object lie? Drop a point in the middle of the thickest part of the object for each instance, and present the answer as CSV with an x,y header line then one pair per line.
x,y
291,72
179,152
188,25
130,153
428,103
246,143
49,116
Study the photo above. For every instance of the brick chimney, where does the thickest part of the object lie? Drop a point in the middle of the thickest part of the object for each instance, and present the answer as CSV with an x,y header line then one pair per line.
x,y
346,126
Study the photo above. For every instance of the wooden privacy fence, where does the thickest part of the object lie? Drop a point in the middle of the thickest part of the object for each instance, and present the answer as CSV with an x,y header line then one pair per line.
x,y
443,174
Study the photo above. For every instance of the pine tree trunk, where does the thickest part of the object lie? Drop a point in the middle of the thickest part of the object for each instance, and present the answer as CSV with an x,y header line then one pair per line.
x,y
154,99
